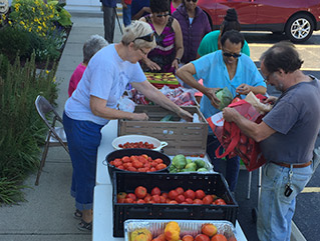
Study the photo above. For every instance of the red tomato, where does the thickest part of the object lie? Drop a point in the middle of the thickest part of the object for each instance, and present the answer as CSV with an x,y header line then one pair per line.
x,y
202,237
161,166
189,200
137,164
128,200
219,237
147,198
163,199
173,194
190,194
156,198
141,201
179,190
156,191
200,194
131,195
208,199
197,201
220,201
173,202
140,192
180,198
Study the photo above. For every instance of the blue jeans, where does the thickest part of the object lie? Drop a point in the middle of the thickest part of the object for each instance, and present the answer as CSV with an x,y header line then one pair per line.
x,y
126,12
83,140
233,164
275,210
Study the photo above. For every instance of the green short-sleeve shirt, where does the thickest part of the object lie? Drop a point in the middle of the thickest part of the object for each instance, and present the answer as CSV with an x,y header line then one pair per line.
x,y
209,44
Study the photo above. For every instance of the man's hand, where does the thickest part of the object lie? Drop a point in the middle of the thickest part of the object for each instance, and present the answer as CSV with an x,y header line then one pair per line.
x,y
211,94
270,100
230,114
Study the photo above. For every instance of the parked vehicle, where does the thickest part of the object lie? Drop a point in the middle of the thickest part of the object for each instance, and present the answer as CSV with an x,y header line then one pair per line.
x,y
296,18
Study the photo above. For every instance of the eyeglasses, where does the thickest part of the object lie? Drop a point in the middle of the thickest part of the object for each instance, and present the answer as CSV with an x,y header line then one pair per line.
x,y
142,51
162,15
266,80
192,0
231,55
149,37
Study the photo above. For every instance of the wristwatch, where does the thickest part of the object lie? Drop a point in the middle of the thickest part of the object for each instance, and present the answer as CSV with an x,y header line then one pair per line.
x,y
179,60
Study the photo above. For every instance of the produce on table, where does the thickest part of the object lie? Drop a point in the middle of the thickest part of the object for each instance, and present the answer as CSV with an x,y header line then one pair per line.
x,y
209,229
182,164
140,144
219,237
225,97
141,234
175,196
172,231
142,163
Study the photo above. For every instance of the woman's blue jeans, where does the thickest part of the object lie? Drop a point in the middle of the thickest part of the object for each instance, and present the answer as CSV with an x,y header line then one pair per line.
x,y
233,164
83,141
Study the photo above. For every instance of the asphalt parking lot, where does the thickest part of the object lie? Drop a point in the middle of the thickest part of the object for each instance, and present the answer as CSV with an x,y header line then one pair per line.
x,y
307,214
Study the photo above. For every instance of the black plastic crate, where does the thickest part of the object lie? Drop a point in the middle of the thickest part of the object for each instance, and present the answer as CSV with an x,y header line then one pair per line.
x,y
211,183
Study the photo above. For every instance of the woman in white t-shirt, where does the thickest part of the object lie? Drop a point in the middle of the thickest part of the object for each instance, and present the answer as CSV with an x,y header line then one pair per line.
x,y
94,103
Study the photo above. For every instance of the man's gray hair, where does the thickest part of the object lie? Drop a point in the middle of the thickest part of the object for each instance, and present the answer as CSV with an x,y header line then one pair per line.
x,y
93,45
135,30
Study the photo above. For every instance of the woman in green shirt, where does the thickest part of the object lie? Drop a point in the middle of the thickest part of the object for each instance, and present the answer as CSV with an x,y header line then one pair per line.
x,y
211,41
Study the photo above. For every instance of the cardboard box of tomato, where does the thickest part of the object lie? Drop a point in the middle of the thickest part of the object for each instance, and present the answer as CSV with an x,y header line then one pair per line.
x,y
210,183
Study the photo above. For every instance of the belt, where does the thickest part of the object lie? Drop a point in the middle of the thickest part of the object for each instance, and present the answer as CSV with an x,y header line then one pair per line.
x,y
294,165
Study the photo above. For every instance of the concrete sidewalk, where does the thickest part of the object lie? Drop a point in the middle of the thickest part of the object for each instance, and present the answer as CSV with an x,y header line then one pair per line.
x,y
48,212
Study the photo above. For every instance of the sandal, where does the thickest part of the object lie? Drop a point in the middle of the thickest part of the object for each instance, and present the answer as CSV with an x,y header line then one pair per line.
x,y
77,214
84,226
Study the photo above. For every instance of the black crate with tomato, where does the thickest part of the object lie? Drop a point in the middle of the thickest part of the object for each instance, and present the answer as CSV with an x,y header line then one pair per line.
x,y
189,196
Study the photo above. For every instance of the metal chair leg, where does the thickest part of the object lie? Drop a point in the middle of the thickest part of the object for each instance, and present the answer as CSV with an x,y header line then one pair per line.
x,y
42,162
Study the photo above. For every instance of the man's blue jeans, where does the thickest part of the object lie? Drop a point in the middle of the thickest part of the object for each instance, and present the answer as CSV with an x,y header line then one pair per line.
x,y
126,14
275,210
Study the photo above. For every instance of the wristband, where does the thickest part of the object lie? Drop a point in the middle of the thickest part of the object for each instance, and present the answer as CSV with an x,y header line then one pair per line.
x,y
179,61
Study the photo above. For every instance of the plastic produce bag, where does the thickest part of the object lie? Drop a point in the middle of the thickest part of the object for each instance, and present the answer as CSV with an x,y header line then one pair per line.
x,y
125,104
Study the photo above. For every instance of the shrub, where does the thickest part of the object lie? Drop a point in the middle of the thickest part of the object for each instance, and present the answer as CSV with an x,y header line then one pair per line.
x,y
33,16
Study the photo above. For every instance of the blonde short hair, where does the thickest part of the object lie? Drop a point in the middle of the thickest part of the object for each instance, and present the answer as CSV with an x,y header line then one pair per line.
x,y
135,30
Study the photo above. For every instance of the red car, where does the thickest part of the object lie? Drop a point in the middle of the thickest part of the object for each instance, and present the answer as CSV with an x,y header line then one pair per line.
x,y
297,18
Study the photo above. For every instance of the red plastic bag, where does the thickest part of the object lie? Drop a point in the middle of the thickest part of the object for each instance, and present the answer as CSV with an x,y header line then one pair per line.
x,y
234,141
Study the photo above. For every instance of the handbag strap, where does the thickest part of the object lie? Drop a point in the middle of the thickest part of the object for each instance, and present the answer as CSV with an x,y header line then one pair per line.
x,y
235,137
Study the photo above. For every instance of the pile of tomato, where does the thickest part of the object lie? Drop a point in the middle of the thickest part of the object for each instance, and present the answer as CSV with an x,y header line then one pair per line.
x,y
175,196
140,144
142,163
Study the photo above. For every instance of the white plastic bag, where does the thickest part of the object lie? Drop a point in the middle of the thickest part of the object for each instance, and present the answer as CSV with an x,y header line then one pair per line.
x,y
125,104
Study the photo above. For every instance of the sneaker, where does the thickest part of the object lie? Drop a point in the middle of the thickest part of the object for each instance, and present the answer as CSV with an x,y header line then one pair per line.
x,y
84,226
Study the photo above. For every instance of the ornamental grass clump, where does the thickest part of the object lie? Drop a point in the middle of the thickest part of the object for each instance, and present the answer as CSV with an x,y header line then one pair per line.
x,y
21,129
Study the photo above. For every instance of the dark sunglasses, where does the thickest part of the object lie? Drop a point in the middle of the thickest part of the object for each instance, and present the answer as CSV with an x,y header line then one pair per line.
x,y
149,37
162,15
231,55
192,0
